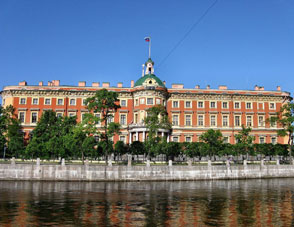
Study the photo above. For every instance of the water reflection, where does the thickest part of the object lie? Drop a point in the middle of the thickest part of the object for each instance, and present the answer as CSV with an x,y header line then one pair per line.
x,y
202,203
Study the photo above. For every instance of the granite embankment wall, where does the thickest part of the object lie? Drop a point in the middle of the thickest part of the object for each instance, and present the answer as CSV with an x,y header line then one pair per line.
x,y
141,173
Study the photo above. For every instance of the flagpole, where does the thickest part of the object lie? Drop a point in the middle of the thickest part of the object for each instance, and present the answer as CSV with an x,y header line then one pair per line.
x,y
150,48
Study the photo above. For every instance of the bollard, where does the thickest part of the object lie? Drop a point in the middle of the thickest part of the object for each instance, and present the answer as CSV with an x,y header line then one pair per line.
x,y
148,163
262,162
87,162
190,162
38,161
63,162
129,160
170,162
13,161
209,163
278,161
245,162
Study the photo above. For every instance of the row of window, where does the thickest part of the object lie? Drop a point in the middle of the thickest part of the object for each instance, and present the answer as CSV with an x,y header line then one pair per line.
x,y
226,139
224,105
34,117
225,120
149,101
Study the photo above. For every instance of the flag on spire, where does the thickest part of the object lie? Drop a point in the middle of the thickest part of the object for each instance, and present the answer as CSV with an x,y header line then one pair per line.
x,y
147,39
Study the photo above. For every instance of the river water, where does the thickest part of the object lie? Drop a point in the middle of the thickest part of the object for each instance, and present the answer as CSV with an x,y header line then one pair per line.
x,y
200,203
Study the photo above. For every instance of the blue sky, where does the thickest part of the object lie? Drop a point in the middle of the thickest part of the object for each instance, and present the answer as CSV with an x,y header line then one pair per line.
x,y
240,43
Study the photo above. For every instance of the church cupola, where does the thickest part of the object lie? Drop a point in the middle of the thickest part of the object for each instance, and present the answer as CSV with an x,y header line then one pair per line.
x,y
149,66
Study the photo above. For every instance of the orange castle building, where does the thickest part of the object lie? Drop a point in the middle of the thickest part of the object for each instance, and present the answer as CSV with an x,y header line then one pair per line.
x,y
191,111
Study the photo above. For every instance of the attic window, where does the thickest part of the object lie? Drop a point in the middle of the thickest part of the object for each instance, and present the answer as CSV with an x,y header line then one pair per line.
x,y
150,81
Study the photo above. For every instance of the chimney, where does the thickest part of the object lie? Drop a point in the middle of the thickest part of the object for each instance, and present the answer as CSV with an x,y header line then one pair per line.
x,y
261,88
132,83
105,84
278,88
208,87
22,83
56,82
197,86
82,84
178,86
222,87
256,88
49,83
119,84
41,83
95,84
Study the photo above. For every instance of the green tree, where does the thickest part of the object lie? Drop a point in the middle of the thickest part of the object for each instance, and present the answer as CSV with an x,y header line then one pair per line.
x,y
105,102
120,148
157,118
214,140
285,119
245,140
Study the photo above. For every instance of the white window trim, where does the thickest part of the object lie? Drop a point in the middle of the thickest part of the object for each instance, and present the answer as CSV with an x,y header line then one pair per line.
x,y
21,99
251,106
126,120
223,105
239,105
188,137
142,101
203,103
24,120
121,103
173,119
190,104
174,105
62,101
72,104
260,126
235,120
202,121
157,101
174,139
150,99
190,120
264,139
37,117
33,100
215,120
248,121
45,101
74,114
123,140
59,113
269,105
228,121
212,102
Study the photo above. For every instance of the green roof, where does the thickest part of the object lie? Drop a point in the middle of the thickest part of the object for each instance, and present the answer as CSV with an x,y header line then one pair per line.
x,y
149,76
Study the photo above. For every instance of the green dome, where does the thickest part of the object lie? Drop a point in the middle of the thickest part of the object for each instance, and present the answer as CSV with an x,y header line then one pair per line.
x,y
149,79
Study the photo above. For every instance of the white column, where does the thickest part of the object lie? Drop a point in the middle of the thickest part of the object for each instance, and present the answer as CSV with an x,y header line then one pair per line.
x,y
167,139
137,136
130,138
143,136
162,134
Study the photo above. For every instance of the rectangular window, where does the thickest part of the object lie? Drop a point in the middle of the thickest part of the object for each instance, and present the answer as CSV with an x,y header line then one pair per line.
x,y
71,114
97,115
58,114
200,120
248,105
175,104
237,121
274,140
84,102
200,104
237,105
149,101
226,139
136,118
225,121
123,119
21,117
110,119
188,120
35,101
249,121
212,120
136,102
47,101
122,138
273,124
72,102
175,120
34,117
59,101
188,139
157,101
188,104
225,105
22,101
142,101
261,121
272,106
123,103
261,140
175,139
212,104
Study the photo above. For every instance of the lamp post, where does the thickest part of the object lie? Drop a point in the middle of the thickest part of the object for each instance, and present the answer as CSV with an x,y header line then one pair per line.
x,y
4,151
